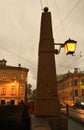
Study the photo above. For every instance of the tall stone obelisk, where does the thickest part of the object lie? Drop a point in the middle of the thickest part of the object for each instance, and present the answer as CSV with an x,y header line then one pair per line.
x,y
47,98
47,103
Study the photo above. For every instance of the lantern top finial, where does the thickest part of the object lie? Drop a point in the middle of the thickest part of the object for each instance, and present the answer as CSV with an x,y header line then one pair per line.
x,y
70,41
46,9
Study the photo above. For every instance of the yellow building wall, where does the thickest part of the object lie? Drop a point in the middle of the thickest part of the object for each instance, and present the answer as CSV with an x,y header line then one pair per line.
x,y
13,83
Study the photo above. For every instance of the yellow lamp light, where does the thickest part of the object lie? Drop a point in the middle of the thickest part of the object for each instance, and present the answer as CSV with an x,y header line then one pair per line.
x,y
70,46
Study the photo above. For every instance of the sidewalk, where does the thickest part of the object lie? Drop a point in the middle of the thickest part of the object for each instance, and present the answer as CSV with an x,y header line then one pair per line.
x,y
39,123
48,123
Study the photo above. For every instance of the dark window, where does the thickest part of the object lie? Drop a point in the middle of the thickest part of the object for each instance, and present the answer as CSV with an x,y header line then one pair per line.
x,y
72,83
2,102
12,102
76,92
75,82
82,92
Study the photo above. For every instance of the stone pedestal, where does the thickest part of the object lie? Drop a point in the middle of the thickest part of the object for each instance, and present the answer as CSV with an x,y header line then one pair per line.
x,y
47,107
48,123
57,123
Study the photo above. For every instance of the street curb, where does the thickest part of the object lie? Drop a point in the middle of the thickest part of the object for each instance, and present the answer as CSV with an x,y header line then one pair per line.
x,y
74,118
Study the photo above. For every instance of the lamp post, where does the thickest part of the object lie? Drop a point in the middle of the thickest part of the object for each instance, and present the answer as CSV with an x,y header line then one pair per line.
x,y
73,88
47,103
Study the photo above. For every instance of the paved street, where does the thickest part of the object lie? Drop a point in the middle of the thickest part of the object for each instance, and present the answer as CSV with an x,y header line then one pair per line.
x,y
77,114
75,119
74,125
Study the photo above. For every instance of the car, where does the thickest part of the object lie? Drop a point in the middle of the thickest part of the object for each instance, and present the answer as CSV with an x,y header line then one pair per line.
x,y
62,104
79,103
71,105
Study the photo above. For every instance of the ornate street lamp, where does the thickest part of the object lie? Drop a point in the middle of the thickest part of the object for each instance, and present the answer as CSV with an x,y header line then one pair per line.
x,y
69,47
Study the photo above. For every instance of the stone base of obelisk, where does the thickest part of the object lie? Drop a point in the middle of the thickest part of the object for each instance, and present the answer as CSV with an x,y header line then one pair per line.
x,y
57,123
48,123
49,110
47,107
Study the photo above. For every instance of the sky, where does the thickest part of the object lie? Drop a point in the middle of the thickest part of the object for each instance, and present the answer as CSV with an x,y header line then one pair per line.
x,y
20,32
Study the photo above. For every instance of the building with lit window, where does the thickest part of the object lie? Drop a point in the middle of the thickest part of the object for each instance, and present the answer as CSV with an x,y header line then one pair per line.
x,y
13,83
71,86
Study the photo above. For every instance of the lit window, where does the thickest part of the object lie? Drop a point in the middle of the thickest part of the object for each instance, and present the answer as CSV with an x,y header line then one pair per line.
x,y
13,91
4,76
21,90
3,91
13,77
82,81
22,76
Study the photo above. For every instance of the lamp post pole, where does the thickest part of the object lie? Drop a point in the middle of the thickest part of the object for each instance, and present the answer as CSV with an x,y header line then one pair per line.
x,y
73,87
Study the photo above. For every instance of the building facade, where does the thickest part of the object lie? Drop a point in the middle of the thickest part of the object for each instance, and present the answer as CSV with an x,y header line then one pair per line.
x,y
13,83
71,86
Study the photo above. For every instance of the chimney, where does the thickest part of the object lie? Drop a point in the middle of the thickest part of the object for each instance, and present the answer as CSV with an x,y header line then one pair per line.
x,y
19,65
3,62
75,70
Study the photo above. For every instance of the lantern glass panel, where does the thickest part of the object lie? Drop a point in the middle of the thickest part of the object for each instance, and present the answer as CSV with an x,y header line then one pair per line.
x,y
70,48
